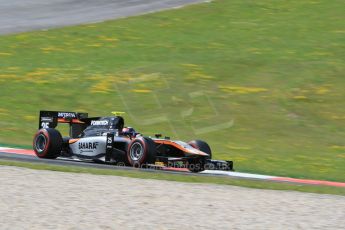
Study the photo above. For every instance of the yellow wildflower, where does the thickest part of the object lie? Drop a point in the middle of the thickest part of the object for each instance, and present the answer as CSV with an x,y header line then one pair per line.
x,y
242,90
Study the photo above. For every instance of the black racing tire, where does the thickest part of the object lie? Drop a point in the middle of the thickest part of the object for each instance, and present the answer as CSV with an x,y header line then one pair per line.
x,y
141,151
202,146
47,143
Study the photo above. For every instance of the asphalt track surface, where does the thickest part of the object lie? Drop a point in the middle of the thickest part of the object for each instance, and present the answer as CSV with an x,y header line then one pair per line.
x,y
68,162
7,156
71,162
27,15
23,155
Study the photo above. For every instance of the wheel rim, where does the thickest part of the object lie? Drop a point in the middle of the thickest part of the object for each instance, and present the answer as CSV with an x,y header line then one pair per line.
x,y
137,151
41,143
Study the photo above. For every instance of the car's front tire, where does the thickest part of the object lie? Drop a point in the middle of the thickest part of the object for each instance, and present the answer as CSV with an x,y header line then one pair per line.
x,y
47,143
198,164
202,146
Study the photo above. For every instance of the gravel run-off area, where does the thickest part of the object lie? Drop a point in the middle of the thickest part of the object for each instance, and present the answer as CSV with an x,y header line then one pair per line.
x,y
36,199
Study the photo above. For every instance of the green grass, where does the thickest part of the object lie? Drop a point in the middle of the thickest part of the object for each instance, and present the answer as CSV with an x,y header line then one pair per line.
x,y
183,178
261,81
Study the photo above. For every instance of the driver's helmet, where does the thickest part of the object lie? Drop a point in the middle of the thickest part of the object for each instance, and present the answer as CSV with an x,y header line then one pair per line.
x,y
129,131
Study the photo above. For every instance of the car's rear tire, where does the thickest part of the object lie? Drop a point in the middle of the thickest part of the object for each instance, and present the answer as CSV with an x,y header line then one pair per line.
x,y
202,146
47,143
141,151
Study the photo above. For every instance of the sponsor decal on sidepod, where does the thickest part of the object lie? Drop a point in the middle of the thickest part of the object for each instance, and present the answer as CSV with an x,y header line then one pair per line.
x,y
88,145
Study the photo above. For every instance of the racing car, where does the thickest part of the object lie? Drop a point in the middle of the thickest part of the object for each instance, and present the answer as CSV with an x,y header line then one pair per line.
x,y
108,140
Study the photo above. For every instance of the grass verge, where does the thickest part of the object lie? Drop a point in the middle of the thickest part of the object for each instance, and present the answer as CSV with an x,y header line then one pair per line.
x,y
261,81
183,178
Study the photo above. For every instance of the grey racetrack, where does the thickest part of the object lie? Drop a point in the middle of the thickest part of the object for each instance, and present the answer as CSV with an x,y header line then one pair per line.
x,y
26,15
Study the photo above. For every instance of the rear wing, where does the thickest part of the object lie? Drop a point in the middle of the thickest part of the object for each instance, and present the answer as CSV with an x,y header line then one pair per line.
x,y
50,119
